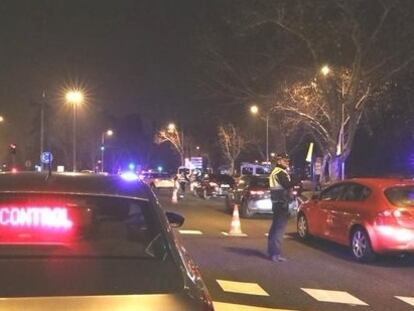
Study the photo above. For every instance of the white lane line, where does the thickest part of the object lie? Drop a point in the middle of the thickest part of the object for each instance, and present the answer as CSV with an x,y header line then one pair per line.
x,y
191,232
242,288
409,300
222,306
237,235
334,296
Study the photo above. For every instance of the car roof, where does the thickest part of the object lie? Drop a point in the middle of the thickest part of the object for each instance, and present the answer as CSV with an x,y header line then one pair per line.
x,y
382,182
70,183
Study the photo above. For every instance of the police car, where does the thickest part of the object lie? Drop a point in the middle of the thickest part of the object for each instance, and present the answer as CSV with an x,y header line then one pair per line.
x,y
91,242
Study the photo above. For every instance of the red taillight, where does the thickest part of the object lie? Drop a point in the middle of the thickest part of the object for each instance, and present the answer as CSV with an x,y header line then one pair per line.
x,y
257,192
391,217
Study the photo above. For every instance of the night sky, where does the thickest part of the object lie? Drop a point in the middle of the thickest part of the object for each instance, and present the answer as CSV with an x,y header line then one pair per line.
x,y
130,56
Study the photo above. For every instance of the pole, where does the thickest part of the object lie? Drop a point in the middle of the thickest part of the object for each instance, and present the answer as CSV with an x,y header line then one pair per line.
x,y
74,138
42,124
267,138
102,151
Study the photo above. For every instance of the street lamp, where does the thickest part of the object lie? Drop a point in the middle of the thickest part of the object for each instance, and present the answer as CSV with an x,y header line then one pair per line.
x,y
255,110
1,119
74,98
107,133
325,70
171,128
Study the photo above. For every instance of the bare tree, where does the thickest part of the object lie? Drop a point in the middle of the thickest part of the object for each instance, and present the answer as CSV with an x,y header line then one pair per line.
x,y
363,56
174,137
232,142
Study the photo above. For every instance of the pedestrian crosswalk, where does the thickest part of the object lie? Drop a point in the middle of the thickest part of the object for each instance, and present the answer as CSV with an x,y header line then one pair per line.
x,y
334,296
320,295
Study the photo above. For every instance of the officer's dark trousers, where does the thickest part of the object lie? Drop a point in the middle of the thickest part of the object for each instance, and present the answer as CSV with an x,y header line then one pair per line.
x,y
277,230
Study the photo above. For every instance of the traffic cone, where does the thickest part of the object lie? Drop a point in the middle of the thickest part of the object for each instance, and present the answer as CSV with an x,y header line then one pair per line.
x,y
174,198
235,227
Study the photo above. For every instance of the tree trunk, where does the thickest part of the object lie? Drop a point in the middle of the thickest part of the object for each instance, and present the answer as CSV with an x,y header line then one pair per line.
x,y
232,167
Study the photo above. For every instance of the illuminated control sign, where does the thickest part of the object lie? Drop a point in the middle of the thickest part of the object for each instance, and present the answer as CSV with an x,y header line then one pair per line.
x,y
35,217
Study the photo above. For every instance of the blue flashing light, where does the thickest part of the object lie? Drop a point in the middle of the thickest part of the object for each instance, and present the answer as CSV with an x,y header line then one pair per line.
x,y
129,176
131,166
159,168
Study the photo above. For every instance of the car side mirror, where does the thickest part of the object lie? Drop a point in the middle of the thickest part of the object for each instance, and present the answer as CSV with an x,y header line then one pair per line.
x,y
175,220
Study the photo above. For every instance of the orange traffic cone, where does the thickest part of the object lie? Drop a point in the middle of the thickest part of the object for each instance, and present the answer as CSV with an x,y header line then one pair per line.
x,y
174,198
235,227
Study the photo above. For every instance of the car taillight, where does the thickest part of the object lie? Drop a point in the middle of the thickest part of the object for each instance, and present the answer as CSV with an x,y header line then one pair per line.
x,y
212,184
257,192
391,217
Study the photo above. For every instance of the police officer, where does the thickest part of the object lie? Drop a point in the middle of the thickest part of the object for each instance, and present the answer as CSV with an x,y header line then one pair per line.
x,y
280,192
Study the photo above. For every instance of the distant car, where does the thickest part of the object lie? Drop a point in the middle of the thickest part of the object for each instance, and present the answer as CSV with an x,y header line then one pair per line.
x,y
158,180
214,186
252,194
91,242
371,216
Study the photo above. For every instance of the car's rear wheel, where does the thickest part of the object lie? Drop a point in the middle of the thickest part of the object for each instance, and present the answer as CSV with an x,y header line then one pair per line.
x,y
361,245
245,212
302,227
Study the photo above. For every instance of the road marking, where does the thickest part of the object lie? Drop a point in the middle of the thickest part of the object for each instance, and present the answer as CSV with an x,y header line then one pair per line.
x,y
222,306
242,288
333,296
409,300
237,235
192,232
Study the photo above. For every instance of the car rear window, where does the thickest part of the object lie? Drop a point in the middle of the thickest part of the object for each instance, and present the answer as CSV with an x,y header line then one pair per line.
x,y
76,226
401,196
82,245
259,182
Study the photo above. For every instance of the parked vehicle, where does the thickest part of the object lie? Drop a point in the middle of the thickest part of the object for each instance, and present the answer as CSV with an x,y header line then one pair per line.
x,y
214,186
369,215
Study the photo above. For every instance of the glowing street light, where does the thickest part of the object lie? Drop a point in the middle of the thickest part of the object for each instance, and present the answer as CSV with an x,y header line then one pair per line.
x,y
325,70
107,133
171,127
75,98
254,109
1,119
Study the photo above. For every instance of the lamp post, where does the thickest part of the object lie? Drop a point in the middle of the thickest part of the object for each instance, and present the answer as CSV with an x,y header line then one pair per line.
x,y
255,110
75,98
171,128
108,133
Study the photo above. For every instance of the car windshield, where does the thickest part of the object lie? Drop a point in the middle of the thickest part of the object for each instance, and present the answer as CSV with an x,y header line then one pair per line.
x,y
401,196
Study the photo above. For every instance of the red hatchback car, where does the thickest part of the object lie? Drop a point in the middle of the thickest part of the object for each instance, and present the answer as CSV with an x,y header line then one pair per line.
x,y
370,215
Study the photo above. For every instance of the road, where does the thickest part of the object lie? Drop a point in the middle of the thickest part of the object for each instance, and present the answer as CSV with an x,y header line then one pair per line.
x,y
318,275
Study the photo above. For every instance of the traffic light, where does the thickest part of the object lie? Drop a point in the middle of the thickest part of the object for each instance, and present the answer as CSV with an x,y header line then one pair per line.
x,y
12,148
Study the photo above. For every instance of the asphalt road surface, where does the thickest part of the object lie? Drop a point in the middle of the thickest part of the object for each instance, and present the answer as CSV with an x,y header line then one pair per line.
x,y
318,275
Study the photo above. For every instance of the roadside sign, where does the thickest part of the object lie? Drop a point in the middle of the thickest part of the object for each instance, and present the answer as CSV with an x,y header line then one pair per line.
x,y
197,162
46,157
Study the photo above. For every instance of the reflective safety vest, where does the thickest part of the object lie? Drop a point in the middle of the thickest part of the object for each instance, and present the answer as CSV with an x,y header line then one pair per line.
x,y
273,181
